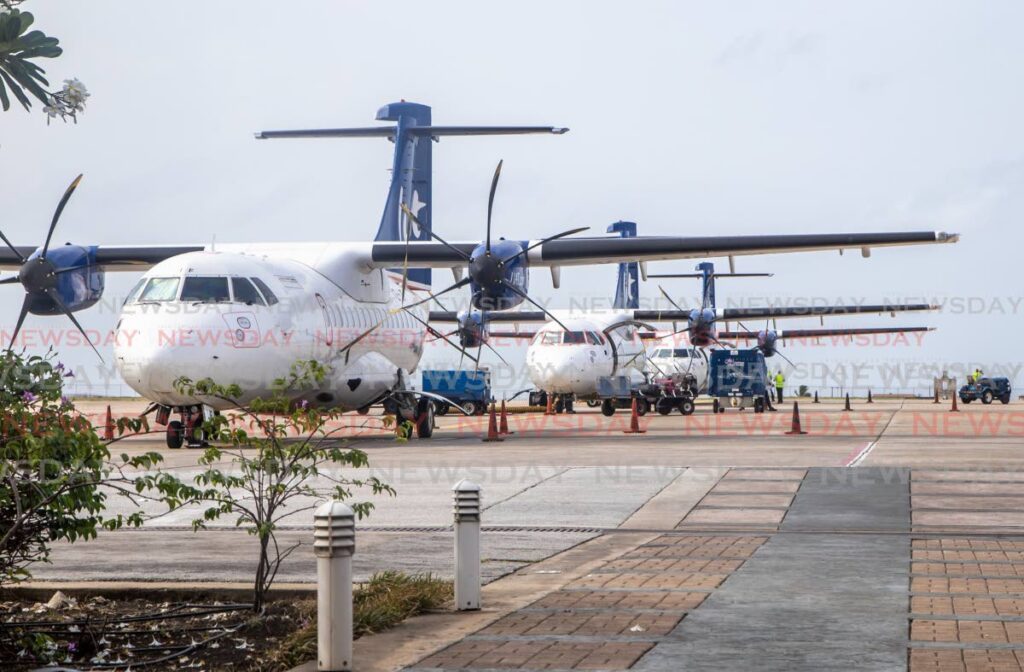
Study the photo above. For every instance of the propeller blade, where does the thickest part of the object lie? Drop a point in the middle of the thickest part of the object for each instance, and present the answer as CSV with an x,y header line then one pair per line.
x,y
669,298
490,202
55,297
10,281
56,215
461,283
408,213
437,334
779,353
21,320
405,260
479,355
515,290
563,234
12,247
492,349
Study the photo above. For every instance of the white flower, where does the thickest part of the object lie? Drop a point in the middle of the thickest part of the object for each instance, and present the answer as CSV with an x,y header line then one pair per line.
x,y
75,91
52,110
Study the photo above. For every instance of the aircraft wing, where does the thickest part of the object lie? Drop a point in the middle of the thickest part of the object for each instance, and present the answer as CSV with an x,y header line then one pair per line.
x,y
820,333
613,250
727,315
110,257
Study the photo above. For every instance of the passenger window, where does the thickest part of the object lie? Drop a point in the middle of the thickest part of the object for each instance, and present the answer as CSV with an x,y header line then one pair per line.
x,y
205,290
267,294
246,293
160,289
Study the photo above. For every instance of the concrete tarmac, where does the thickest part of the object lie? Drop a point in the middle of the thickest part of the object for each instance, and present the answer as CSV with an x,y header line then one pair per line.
x,y
890,536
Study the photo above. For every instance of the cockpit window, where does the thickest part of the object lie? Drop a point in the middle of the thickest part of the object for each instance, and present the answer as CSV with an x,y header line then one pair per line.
x,y
245,292
594,338
550,338
160,289
574,338
134,294
205,290
269,295
681,352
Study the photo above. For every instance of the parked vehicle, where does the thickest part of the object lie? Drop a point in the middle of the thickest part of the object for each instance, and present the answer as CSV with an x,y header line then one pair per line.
x,y
738,378
469,389
987,390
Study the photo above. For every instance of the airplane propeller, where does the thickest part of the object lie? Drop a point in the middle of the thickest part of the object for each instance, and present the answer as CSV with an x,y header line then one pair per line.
x,y
39,276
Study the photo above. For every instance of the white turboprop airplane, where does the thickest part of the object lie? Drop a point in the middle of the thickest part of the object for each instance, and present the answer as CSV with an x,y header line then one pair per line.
x,y
570,356
247,313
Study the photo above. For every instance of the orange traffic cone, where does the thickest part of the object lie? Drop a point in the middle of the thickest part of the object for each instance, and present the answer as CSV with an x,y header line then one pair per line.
x,y
492,427
549,409
108,428
795,427
847,408
503,423
954,409
634,421
870,401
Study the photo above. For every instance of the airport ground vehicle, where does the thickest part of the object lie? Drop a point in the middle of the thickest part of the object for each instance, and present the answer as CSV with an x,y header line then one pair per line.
x,y
987,390
738,378
469,389
661,395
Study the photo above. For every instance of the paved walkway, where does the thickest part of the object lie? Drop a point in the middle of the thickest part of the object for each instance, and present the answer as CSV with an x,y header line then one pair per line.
x,y
789,569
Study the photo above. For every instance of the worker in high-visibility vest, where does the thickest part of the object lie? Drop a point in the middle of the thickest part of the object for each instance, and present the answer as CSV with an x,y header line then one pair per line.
x,y
977,376
780,382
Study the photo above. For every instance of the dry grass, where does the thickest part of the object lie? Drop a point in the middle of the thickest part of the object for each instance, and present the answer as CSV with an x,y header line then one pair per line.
x,y
385,601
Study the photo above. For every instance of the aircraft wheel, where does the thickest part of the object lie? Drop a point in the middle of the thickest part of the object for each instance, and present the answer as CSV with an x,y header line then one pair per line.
x,y
686,407
175,434
559,405
363,411
442,409
425,419
987,397
471,407
607,408
593,403
642,406
1005,399
663,406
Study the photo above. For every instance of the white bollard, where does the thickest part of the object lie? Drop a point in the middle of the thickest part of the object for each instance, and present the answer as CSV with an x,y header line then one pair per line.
x,y
467,545
334,542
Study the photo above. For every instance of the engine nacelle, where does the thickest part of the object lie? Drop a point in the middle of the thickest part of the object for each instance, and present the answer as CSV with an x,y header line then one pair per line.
x,y
472,328
701,327
766,341
79,282
491,277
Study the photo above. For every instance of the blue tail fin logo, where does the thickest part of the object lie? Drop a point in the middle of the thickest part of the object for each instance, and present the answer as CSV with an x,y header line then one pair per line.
x,y
411,175
627,290
707,269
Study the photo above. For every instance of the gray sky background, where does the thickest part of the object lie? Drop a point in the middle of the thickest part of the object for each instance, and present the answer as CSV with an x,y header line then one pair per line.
x,y
689,118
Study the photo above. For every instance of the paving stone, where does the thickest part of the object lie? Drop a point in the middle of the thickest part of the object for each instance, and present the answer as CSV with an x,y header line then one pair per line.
x,y
667,580
960,503
984,519
650,599
968,544
744,486
926,488
766,474
967,475
923,584
967,631
780,501
967,568
701,516
969,556
971,660
675,565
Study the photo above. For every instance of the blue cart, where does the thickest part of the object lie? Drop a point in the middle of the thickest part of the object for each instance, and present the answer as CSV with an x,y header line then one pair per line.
x,y
738,378
469,389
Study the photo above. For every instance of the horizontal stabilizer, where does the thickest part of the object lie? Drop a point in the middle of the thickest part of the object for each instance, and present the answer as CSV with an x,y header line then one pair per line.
x,y
419,131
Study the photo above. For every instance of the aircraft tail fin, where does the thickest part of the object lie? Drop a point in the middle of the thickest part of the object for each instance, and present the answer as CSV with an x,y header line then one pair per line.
x,y
627,289
707,270
411,174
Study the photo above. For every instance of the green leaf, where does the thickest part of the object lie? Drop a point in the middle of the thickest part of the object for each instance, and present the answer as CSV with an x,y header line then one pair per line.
x,y
15,89
4,100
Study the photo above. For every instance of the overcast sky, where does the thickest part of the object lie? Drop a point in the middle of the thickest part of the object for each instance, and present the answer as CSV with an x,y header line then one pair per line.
x,y
689,118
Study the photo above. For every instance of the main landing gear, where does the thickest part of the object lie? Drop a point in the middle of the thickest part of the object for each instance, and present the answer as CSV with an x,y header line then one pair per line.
x,y
189,430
